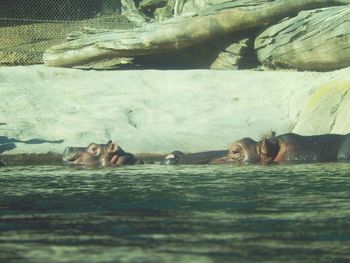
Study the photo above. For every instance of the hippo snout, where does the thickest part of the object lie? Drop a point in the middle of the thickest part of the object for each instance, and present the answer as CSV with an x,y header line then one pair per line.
x,y
67,150
169,160
173,158
69,154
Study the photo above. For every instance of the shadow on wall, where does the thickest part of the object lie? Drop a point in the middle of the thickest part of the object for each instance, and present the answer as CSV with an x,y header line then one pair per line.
x,y
7,144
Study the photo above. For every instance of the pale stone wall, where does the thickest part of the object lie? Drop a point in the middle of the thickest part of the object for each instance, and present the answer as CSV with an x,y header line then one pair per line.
x,y
327,110
46,109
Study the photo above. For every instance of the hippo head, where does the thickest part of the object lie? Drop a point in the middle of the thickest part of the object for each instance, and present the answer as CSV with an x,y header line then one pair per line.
x,y
247,150
243,151
109,154
173,158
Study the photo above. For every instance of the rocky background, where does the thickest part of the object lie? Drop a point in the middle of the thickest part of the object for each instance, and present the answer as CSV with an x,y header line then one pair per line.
x,y
217,34
263,34
295,79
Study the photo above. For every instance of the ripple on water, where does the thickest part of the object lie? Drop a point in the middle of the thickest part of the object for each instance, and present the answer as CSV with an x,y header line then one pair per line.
x,y
153,213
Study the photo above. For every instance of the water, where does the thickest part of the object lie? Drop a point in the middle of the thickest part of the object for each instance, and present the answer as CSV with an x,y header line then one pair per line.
x,y
156,213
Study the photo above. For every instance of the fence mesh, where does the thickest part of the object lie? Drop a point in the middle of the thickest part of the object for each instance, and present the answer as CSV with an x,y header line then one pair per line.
x,y
29,27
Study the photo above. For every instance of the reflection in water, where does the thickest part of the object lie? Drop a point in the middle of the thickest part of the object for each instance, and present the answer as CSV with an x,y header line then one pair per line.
x,y
176,214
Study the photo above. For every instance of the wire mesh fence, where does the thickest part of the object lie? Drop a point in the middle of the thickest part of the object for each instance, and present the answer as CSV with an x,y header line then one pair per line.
x,y
29,27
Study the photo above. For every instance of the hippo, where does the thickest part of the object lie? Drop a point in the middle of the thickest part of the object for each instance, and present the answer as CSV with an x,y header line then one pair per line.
x,y
178,157
109,154
291,148
285,148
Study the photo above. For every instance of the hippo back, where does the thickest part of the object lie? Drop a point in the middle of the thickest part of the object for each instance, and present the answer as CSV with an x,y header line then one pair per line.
x,y
317,148
344,149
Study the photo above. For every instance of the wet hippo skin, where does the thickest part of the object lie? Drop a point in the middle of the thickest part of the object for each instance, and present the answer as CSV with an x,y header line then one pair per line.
x,y
285,148
109,154
291,148
178,157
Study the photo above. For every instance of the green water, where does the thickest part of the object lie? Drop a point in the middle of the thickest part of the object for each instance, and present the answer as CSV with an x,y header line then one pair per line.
x,y
156,213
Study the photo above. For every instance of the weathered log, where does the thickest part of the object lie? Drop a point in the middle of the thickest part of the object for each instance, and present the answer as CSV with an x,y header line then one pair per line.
x,y
172,9
130,11
150,5
178,7
166,12
226,52
205,7
109,64
232,55
198,7
313,40
173,35
161,9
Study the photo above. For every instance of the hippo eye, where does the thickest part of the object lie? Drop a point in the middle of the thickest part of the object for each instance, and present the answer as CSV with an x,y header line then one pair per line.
x,y
93,148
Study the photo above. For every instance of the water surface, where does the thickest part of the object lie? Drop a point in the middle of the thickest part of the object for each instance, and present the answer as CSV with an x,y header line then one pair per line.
x,y
154,213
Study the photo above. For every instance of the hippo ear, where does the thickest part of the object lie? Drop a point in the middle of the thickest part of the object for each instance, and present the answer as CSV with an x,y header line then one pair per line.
x,y
268,150
112,147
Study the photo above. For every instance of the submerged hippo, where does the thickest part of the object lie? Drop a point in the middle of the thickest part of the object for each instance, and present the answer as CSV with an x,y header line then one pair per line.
x,y
178,157
285,148
109,154
292,148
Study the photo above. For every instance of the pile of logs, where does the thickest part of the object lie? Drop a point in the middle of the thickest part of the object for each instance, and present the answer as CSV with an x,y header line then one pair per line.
x,y
218,34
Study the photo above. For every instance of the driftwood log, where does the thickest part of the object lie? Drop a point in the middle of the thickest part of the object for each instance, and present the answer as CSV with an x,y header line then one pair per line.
x,y
173,34
130,11
227,53
313,40
231,57
205,7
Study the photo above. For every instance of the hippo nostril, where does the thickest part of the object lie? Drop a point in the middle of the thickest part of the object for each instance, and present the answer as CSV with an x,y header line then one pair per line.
x,y
68,149
69,154
168,161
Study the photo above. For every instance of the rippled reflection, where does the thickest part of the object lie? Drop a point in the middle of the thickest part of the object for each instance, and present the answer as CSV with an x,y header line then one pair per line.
x,y
176,214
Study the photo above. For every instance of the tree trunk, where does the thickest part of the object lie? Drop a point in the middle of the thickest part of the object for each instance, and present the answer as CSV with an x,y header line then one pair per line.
x,y
313,40
172,35
130,11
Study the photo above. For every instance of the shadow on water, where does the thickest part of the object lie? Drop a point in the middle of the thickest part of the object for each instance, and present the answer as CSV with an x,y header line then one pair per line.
x,y
187,213
7,144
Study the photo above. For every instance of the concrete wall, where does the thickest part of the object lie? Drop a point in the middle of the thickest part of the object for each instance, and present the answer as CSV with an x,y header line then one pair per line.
x,y
46,109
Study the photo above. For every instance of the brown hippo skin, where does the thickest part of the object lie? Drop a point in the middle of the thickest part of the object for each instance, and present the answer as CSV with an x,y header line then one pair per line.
x,y
210,157
109,154
291,148
285,148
